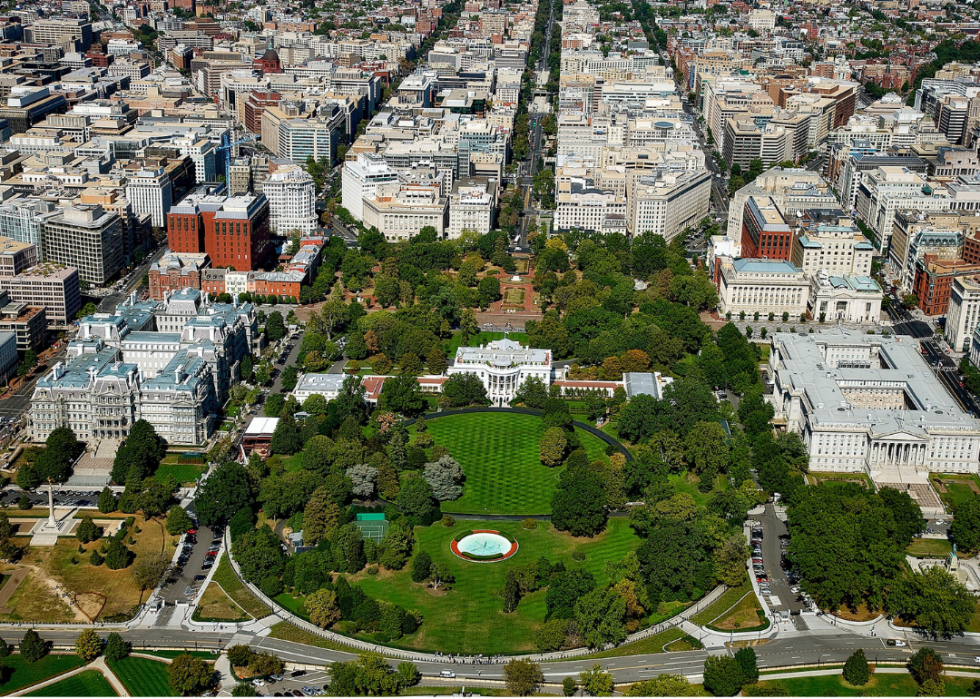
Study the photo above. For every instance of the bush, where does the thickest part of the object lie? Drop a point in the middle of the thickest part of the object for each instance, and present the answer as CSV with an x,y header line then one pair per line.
x,y
856,669
448,520
529,523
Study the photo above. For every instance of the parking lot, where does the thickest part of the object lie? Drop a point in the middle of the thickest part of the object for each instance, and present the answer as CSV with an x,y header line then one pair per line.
x,y
780,586
312,683
62,497
184,582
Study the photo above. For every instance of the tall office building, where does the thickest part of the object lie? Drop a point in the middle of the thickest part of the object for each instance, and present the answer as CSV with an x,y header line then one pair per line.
x,y
88,238
151,192
360,181
291,195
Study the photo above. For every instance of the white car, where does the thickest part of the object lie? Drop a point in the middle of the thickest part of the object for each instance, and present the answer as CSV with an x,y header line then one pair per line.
x,y
976,659
940,521
795,589
258,683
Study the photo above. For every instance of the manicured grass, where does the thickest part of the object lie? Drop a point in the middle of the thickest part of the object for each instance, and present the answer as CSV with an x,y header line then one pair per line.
x,y
235,589
182,473
816,478
884,685
499,456
294,462
929,548
652,644
747,614
143,677
288,632
957,494
171,654
24,674
723,604
215,605
470,618
90,683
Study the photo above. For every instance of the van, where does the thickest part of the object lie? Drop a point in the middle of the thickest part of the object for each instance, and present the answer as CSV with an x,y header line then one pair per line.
x,y
448,674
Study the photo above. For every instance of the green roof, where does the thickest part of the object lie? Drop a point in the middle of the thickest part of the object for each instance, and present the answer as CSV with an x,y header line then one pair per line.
x,y
370,517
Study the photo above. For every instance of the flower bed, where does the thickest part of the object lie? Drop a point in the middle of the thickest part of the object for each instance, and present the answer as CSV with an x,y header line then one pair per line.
x,y
465,555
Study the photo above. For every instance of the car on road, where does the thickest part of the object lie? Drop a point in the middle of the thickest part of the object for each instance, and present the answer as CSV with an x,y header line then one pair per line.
x,y
896,643
940,521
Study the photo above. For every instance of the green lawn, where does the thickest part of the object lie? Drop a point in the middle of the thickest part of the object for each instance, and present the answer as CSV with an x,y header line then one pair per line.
x,y
651,644
720,606
956,494
24,674
235,588
182,473
882,685
499,455
452,344
470,618
929,548
143,677
90,683
688,483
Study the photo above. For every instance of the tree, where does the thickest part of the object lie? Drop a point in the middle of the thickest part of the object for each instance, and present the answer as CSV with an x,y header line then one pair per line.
x,y
286,437
600,615
579,503
396,546
32,647
532,393
925,665
189,676
522,677
275,328
259,554
403,394
178,521
88,645
139,455
569,686
461,390
322,608
934,599
965,527
348,547
240,655
421,567
155,495
445,477
730,560
5,649
274,404
747,661
244,689
722,676
107,501
597,681
409,674
148,569
289,377
552,447
435,361
488,291
320,518
856,669
512,592
416,500
87,310
117,556
662,686
224,493
115,647
86,530
362,478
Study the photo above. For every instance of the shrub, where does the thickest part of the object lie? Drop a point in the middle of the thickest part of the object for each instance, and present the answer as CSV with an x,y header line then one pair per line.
x,y
856,669
448,520
529,523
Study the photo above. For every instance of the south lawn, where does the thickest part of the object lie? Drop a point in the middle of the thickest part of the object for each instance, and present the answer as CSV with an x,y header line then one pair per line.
x,y
470,617
499,456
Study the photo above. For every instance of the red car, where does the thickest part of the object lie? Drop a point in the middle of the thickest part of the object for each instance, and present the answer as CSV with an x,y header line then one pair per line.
x,y
192,531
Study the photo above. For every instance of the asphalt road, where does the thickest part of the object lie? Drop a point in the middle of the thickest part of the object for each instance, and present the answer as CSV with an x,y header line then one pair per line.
x,y
112,300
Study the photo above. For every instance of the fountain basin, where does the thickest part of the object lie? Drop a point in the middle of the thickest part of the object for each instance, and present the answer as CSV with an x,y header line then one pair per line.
x,y
484,546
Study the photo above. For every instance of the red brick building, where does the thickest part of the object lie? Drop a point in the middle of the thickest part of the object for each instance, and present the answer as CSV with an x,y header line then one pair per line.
x,y
255,105
934,282
233,231
269,63
174,272
764,232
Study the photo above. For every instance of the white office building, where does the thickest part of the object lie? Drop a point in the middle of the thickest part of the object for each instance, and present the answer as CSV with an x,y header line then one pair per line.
x,y
151,192
292,206
869,404
963,315
360,180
